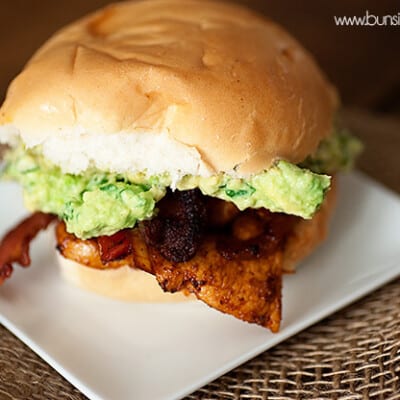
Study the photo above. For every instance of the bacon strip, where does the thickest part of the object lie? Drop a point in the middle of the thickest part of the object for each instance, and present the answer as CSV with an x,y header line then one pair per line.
x,y
115,247
15,245
178,228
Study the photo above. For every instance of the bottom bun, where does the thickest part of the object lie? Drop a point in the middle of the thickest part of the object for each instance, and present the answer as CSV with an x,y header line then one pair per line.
x,y
125,283
131,284
309,233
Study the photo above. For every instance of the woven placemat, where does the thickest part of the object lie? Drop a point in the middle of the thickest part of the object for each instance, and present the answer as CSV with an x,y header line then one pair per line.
x,y
354,354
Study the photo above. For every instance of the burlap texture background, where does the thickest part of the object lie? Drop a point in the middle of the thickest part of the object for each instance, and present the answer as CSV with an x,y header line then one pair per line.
x,y
354,354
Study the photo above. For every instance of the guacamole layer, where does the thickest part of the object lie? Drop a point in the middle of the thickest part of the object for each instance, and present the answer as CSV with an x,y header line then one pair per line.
x,y
99,203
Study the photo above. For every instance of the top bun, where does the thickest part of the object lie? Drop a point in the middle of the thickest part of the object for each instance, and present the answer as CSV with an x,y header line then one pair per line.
x,y
183,86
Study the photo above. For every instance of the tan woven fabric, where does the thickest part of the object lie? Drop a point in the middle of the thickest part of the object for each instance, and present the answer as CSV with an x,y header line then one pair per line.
x,y
354,354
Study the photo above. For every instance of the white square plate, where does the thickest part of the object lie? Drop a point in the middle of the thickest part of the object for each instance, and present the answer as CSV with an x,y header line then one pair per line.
x,y
114,350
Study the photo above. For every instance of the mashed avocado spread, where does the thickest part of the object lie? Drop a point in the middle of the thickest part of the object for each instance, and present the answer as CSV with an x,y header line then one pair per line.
x,y
100,203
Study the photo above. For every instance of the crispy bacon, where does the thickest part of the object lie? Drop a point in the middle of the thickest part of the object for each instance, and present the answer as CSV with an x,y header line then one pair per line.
x,y
115,247
179,226
87,252
15,245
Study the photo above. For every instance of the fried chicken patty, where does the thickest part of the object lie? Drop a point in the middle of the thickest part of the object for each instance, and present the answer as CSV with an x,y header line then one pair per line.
x,y
236,267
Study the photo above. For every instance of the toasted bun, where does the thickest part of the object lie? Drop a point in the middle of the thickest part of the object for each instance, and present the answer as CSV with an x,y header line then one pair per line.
x,y
183,86
135,285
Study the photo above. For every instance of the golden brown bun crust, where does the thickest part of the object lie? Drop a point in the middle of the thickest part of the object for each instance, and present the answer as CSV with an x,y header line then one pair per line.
x,y
214,76
135,285
308,234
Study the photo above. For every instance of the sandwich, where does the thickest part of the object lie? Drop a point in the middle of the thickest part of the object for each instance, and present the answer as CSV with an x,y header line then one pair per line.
x,y
182,148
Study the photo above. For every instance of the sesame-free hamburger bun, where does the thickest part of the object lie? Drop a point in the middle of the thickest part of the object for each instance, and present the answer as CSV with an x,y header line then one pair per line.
x,y
195,87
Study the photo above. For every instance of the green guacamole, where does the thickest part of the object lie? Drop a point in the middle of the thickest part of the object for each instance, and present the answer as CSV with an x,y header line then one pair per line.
x,y
92,204
336,153
282,188
99,203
